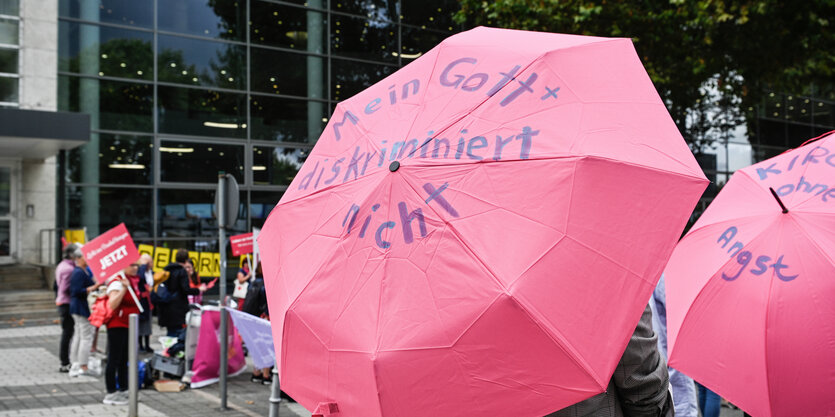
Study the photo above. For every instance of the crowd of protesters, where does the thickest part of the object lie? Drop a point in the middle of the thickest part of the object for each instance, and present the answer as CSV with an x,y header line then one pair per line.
x,y
166,294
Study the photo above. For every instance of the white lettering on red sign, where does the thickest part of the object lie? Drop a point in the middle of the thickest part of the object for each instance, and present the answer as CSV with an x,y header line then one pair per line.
x,y
113,257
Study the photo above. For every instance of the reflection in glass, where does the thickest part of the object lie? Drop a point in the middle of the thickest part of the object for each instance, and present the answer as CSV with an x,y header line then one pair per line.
x,y
349,78
5,190
417,42
287,120
121,159
191,213
105,51
364,39
199,162
431,14
375,9
276,165
199,62
5,238
261,204
295,75
8,61
10,7
112,105
9,29
113,205
133,13
201,112
8,89
288,26
223,19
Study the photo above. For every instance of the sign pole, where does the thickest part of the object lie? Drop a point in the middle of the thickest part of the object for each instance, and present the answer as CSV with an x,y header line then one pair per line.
x,y
224,338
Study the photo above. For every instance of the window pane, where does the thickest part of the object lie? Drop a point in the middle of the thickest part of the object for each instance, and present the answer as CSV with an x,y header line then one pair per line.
x,y
417,42
10,7
5,237
8,60
223,19
112,159
261,204
5,190
133,13
191,213
8,89
201,112
197,62
378,9
120,106
432,14
105,51
199,162
287,120
350,77
361,38
276,165
298,74
99,209
9,31
288,27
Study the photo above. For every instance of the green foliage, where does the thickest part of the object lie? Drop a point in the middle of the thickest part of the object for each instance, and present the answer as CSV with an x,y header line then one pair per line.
x,y
741,48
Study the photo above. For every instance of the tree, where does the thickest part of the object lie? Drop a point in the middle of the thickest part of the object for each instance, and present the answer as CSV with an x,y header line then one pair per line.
x,y
706,57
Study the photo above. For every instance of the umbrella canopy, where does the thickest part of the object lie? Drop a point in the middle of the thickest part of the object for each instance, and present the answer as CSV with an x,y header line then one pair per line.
x,y
750,287
479,232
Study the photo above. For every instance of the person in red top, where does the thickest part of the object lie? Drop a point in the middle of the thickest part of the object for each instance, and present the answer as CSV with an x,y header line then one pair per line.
x,y
122,305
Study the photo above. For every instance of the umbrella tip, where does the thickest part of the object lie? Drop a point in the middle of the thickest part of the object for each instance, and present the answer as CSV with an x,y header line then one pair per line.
x,y
780,202
326,410
394,166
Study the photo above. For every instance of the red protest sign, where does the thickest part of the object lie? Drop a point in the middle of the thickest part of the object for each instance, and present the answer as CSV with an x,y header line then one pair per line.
x,y
241,244
110,253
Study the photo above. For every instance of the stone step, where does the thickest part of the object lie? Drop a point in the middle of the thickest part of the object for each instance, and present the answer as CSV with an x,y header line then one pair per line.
x,y
26,296
28,318
20,277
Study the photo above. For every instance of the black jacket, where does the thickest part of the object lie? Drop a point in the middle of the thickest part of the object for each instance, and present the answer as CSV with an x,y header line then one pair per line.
x,y
173,314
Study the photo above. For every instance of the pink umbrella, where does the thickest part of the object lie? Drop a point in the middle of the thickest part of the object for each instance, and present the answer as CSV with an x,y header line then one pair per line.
x,y
750,289
479,232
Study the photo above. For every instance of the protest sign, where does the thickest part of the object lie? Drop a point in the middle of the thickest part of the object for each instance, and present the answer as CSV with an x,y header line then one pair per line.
x,y
110,253
206,357
241,244
257,336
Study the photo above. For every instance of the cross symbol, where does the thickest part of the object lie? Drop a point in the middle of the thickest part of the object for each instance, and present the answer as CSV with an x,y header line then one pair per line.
x,y
550,93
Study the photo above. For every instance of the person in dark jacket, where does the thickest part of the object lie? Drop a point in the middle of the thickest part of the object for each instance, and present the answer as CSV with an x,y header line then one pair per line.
x,y
640,384
81,285
172,315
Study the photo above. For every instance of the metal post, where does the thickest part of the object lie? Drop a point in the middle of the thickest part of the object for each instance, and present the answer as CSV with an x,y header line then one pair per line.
x,y
224,336
275,396
133,371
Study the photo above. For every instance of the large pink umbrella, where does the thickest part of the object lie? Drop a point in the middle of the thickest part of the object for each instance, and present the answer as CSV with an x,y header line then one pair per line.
x,y
478,233
750,289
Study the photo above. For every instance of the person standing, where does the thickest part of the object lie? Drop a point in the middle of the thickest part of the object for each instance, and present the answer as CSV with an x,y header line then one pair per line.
x,y
172,314
62,300
146,283
685,397
122,305
81,285
639,385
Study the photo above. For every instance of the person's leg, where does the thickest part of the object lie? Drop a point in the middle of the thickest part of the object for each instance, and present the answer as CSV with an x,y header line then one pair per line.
x,y
122,362
67,325
75,343
712,404
87,333
110,370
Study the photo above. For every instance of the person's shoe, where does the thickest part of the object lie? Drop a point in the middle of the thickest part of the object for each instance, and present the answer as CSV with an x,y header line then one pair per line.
x,y
64,368
89,372
124,395
266,381
75,370
114,399
256,378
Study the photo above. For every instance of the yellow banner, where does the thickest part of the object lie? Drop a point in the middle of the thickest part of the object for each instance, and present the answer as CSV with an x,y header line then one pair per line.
x,y
195,259
76,235
145,249
162,257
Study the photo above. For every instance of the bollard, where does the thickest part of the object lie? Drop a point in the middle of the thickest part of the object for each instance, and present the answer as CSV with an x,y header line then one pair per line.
x,y
133,371
275,396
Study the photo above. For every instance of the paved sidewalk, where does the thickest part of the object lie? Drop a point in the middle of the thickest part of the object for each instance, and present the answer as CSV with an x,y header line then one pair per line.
x,y
30,385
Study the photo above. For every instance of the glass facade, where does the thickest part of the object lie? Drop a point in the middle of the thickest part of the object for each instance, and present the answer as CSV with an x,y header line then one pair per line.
x,y
179,90
9,52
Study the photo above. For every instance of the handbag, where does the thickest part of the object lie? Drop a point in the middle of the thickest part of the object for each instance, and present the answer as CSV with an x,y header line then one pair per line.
x,y
240,289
